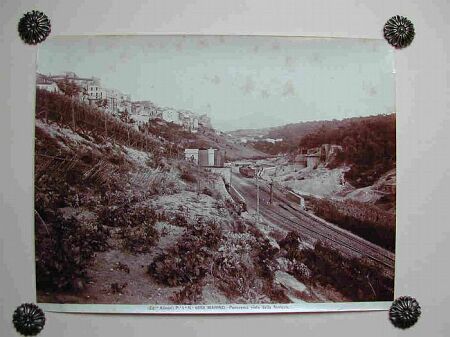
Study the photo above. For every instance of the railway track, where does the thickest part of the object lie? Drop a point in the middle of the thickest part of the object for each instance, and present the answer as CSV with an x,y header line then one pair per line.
x,y
350,236
337,238
295,219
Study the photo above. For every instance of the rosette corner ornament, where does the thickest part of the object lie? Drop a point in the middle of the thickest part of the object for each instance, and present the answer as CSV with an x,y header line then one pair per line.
x,y
399,31
34,27
28,319
404,312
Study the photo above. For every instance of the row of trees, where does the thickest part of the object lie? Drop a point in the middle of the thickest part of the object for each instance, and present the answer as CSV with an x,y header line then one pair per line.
x,y
273,148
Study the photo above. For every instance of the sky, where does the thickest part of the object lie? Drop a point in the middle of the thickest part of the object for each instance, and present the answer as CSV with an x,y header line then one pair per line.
x,y
241,82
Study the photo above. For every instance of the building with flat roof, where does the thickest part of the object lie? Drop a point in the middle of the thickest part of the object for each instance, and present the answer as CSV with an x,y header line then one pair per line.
x,y
205,157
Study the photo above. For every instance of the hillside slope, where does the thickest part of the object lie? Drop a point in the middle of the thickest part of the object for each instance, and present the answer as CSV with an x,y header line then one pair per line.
x,y
120,218
234,150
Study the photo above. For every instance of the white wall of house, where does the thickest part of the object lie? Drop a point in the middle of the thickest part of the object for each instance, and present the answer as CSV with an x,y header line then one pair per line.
x,y
211,156
170,115
50,87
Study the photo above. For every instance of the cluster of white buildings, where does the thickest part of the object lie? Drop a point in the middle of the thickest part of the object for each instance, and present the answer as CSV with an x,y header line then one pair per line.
x,y
92,92
116,102
144,111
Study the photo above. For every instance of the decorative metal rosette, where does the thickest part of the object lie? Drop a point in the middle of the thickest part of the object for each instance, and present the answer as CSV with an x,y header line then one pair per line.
x,y
404,312
399,31
29,319
34,27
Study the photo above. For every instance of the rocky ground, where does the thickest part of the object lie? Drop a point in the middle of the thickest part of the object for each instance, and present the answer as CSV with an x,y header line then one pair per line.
x,y
324,182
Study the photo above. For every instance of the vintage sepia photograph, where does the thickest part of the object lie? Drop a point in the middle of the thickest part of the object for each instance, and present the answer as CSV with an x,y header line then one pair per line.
x,y
212,170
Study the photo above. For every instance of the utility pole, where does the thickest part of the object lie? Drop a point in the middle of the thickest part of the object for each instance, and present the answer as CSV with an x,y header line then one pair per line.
x,y
257,200
258,172
198,175
271,192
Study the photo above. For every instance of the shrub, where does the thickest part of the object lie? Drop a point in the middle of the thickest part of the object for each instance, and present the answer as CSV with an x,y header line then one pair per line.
x,y
209,232
139,239
163,184
265,259
300,271
188,261
127,216
179,220
235,273
121,267
234,266
64,248
291,244
188,176
190,294
233,207
183,264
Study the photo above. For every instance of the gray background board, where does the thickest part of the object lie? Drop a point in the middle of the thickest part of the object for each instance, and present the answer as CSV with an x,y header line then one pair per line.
x,y
423,139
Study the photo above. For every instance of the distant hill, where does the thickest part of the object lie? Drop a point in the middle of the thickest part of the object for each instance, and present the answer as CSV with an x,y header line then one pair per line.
x,y
234,150
368,143
369,146
294,132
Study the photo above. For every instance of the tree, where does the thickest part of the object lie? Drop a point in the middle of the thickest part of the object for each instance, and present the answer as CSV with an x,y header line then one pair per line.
x,y
125,117
71,89
103,103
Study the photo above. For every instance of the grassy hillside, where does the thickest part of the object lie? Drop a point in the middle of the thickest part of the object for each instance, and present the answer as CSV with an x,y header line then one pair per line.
x,y
116,212
120,218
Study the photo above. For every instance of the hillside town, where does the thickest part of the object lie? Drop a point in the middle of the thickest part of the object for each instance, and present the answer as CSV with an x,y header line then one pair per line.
x,y
118,104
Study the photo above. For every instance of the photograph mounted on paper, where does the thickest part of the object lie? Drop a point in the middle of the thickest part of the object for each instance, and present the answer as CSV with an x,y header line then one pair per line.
x,y
214,172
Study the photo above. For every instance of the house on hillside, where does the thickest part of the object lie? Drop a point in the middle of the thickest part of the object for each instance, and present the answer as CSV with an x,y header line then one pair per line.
x,y
312,160
93,93
83,82
205,121
170,115
300,158
188,120
185,118
314,156
205,157
45,84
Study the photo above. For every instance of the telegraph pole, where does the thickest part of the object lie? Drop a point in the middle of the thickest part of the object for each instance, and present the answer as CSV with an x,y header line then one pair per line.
x,y
257,200
257,176
271,184
198,176
271,192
